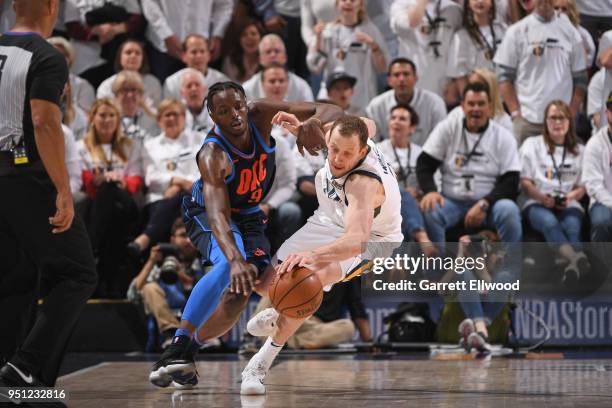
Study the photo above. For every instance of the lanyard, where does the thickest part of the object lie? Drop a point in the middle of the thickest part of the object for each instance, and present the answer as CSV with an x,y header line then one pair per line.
x,y
433,22
432,28
465,144
491,49
403,175
558,169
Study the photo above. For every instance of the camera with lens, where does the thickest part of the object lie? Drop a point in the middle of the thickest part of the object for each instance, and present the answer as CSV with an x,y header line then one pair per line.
x,y
559,198
170,265
478,246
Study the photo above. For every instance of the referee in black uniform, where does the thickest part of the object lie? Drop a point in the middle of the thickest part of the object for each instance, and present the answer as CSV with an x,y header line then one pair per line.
x,y
36,209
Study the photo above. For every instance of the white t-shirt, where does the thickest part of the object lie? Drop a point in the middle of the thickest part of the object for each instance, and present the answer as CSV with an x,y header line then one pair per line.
x,y
465,177
172,85
404,164
502,119
429,106
545,55
605,43
344,53
131,167
595,8
165,158
87,53
427,44
465,54
297,91
73,160
597,170
550,176
333,202
201,123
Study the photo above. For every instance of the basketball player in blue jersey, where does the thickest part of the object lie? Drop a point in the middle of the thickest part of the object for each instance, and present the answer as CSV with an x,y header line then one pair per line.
x,y
224,220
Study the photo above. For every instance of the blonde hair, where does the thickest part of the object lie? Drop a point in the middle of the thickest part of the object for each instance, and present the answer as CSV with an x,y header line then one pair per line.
x,y
135,79
488,76
572,13
61,42
120,145
166,104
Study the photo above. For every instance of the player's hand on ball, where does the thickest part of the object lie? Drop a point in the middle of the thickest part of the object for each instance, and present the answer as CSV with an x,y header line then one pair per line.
x,y
242,277
305,259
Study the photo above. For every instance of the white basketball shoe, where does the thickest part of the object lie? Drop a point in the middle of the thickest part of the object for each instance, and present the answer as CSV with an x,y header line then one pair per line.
x,y
263,323
253,376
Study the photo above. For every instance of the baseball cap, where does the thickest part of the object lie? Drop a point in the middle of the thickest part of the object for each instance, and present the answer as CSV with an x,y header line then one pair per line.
x,y
340,76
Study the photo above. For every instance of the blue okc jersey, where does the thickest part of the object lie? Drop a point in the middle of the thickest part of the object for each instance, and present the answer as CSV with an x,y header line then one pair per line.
x,y
252,173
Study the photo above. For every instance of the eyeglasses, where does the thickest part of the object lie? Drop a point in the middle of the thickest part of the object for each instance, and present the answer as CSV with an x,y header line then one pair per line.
x,y
558,119
130,90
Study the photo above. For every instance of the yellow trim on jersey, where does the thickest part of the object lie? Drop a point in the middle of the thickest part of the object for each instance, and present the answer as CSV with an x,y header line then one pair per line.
x,y
363,267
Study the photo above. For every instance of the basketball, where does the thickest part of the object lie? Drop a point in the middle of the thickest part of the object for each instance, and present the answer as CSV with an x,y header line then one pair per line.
x,y
297,294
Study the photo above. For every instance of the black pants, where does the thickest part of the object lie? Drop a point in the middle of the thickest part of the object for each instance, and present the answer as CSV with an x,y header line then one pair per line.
x,y
162,214
110,223
162,64
64,265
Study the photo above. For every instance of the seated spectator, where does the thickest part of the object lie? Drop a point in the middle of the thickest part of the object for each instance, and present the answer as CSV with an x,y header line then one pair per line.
x,y
165,279
340,87
72,115
97,29
170,169
402,78
196,55
83,94
568,7
481,309
131,57
169,24
242,61
425,29
402,155
487,77
597,177
475,44
112,175
328,327
272,50
194,92
137,119
601,83
352,44
550,180
480,172
540,59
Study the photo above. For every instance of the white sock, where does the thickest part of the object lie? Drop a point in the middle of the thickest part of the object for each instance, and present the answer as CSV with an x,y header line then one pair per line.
x,y
268,353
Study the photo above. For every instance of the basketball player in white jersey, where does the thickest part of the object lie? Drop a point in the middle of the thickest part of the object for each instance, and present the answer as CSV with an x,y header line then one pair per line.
x,y
359,202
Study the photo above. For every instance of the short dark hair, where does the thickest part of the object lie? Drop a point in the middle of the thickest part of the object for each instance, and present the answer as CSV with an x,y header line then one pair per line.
x,y
177,225
144,67
402,60
273,65
349,125
220,87
477,87
414,117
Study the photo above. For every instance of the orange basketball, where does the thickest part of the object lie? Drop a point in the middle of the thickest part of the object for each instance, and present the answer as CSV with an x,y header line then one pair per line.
x,y
297,293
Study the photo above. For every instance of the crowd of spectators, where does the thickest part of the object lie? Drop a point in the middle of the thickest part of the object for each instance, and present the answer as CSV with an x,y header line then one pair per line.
x,y
482,107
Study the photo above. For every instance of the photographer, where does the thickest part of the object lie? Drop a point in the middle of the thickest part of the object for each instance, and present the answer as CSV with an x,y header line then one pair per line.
x,y
162,284
550,179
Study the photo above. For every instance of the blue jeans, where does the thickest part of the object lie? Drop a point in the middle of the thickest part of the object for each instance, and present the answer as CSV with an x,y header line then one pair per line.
x,y
412,218
477,308
564,227
174,294
601,223
504,217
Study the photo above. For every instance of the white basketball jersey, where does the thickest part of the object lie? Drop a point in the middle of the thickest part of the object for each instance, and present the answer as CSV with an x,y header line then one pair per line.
x,y
333,202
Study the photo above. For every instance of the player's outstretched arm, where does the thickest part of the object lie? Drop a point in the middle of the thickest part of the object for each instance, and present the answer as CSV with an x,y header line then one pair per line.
x,y
214,168
313,116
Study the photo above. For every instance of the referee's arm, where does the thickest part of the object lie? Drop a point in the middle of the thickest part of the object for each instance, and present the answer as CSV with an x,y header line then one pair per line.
x,y
46,120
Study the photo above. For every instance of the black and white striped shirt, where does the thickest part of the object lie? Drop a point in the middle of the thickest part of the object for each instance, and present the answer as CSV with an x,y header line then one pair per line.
x,y
30,68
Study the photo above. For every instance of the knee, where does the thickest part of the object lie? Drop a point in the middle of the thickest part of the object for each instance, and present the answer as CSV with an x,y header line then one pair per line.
x,y
435,216
506,211
233,303
601,217
150,290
